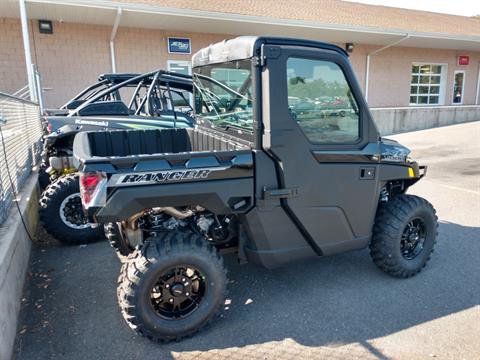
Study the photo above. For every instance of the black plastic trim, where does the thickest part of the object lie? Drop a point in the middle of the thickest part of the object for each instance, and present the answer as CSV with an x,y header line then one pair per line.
x,y
300,227
283,203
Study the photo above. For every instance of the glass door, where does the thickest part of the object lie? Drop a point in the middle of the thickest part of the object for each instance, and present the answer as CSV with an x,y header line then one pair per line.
x,y
458,87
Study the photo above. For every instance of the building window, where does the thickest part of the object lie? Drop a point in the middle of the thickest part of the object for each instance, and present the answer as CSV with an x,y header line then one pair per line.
x,y
458,87
181,67
426,86
321,102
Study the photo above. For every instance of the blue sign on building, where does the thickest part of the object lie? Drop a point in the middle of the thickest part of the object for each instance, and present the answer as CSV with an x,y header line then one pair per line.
x,y
179,45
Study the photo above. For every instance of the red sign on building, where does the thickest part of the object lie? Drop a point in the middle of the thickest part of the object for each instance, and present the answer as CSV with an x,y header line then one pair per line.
x,y
463,60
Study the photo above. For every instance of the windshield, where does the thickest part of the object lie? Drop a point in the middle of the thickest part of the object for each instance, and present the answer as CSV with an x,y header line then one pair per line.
x,y
223,94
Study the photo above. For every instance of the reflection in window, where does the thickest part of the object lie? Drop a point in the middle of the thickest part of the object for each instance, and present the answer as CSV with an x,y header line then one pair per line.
x,y
233,78
223,94
458,86
320,100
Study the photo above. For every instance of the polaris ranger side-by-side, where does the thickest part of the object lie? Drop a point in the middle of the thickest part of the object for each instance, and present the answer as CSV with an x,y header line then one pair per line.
x,y
255,176
157,99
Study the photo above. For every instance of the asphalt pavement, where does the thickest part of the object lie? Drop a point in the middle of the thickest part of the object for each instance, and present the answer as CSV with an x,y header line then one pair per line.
x,y
335,307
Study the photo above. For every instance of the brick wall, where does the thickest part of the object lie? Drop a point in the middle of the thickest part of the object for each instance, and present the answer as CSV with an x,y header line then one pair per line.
x,y
71,58
12,59
141,50
390,73
76,54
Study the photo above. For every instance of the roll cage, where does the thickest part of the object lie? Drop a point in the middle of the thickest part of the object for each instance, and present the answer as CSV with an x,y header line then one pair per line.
x,y
105,81
153,92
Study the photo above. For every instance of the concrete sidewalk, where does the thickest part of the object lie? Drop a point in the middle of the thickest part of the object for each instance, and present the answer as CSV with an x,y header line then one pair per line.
x,y
335,307
15,247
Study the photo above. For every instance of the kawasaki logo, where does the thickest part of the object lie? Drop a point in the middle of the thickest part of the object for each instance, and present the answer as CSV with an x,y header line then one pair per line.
x,y
161,176
90,122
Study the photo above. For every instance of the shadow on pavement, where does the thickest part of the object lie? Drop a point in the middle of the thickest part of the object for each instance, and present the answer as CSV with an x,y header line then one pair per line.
x,y
70,308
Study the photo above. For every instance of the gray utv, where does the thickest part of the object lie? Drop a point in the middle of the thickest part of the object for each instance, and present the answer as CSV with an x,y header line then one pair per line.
x,y
259,175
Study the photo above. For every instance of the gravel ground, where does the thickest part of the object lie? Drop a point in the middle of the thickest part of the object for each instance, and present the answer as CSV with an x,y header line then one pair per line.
x,y
335,307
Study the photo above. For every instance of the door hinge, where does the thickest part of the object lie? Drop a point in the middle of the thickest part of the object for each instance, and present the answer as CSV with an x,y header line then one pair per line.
x,y
258,61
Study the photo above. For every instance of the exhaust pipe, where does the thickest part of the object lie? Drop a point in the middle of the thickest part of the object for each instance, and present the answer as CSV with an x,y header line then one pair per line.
x,y
177,214
131,222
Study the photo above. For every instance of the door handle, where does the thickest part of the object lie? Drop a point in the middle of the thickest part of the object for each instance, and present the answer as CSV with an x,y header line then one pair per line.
x,y
367,173
279,193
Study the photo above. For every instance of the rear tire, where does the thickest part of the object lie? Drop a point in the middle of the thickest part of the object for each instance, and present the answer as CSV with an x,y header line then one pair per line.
x,y
157,279
404,235
116,240
62,216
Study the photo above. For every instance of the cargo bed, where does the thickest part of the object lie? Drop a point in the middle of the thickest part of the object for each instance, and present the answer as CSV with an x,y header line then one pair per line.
x,y
125,148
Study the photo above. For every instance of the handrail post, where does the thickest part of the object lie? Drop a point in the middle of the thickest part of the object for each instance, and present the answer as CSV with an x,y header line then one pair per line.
x,y
26,48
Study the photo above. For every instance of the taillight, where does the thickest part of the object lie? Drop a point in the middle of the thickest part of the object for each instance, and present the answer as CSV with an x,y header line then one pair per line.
x,y
93,189
49,128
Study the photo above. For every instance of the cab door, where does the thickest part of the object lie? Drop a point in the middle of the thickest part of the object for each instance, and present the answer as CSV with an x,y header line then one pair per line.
x,y
318,129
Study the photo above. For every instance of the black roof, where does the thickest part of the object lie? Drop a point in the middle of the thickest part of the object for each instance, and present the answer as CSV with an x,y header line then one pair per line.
x,y
117,78
175,80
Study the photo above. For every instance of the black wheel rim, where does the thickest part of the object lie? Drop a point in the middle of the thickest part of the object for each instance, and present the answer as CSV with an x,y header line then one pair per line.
x,y
178,292
413,238
71,212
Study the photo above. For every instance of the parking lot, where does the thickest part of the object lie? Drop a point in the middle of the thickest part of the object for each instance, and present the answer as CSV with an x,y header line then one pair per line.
x,y
333,307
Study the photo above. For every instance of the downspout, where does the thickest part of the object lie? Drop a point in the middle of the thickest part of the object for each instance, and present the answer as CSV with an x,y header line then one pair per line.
x,y
367,66
112,39
26,49
478,87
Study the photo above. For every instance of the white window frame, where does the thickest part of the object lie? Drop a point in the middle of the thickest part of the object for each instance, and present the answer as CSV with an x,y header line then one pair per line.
x,y
182,63
463,85
443,83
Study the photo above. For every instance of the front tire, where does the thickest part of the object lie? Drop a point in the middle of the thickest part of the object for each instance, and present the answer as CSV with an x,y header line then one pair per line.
x,y
61,213
404,235
172,287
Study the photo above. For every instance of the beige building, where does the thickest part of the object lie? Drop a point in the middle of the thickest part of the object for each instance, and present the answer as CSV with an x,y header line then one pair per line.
x,y
402,58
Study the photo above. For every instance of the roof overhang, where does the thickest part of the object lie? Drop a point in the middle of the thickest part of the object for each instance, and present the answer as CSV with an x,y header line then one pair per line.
x,y
102,12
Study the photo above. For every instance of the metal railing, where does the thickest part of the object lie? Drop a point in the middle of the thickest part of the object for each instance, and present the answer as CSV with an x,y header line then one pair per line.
x,y
22,132
25,94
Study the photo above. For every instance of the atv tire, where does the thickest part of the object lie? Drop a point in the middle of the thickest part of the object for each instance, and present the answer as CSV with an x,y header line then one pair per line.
x,y
61,213
116,240
157,279
404,235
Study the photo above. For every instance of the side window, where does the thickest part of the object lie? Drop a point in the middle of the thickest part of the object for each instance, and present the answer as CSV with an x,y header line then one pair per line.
x,y
180,100
320,100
